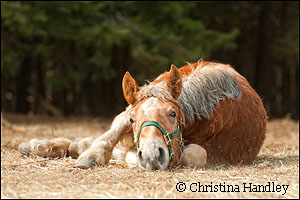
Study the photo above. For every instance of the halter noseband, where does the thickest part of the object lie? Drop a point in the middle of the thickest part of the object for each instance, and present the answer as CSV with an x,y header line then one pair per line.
x,y
167,136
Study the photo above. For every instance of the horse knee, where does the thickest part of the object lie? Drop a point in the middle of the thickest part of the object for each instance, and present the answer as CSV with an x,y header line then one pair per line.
x,y
79,145
193,156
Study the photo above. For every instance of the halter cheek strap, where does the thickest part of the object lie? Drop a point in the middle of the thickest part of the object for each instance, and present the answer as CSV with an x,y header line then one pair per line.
x,y
167,136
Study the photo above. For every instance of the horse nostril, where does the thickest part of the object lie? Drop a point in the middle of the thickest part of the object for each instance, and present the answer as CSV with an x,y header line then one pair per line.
x,y
161,155
140,155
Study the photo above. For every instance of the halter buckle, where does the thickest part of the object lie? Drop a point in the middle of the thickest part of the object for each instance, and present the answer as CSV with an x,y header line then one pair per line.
x,y
167,138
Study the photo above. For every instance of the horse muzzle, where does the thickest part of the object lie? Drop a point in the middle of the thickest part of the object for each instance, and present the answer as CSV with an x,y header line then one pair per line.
x,y
153,155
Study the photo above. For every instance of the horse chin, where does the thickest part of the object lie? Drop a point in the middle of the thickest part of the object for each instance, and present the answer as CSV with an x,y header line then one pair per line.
x,y
152,167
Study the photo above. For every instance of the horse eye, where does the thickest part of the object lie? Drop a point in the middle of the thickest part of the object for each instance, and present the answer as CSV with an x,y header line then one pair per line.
x,y
173,114
131,120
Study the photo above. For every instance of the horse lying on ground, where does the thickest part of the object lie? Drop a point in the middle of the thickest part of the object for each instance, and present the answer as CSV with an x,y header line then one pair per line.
x,y
201,112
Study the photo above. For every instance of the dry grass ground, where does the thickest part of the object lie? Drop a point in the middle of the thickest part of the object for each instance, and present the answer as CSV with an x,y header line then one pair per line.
x,y
34,177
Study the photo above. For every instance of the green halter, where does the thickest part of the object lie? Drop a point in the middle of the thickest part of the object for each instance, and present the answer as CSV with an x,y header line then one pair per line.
x,y
168,137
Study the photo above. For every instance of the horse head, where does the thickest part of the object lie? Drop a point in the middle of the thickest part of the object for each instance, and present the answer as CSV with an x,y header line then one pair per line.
x,y
156,119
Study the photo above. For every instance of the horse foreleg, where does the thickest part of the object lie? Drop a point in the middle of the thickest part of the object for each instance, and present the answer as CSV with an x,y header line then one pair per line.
x,y
193,156
53,148
101,149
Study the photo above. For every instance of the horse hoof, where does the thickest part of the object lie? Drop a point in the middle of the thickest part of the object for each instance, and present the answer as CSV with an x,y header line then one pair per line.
x,y
23,149
86,164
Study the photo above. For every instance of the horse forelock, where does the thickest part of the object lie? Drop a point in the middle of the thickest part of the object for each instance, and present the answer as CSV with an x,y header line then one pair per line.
x,y
159,90
202,90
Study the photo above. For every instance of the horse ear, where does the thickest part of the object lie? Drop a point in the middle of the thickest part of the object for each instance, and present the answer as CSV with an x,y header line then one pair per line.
x,y
130,88
175,82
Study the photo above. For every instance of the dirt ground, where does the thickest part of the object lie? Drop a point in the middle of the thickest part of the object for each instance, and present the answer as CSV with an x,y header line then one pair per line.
x,y
276,166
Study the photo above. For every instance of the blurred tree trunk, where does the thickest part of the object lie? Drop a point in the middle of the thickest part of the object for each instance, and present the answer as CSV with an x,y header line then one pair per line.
x,y
120,62
93,95
290,87
264,62
40,89
111,92
284,91
22,104
285,85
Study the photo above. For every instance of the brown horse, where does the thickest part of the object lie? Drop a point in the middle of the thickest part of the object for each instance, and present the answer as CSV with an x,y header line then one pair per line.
x,y
208,106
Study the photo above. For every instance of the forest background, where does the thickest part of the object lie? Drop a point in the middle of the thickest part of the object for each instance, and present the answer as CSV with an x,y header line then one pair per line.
x,y
68,58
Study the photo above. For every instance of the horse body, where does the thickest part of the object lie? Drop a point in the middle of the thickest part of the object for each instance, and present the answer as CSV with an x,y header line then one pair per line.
x,y
222,119
232,130
235,129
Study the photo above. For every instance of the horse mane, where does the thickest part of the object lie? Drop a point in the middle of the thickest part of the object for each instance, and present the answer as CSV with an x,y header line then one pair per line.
x,y
202,90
